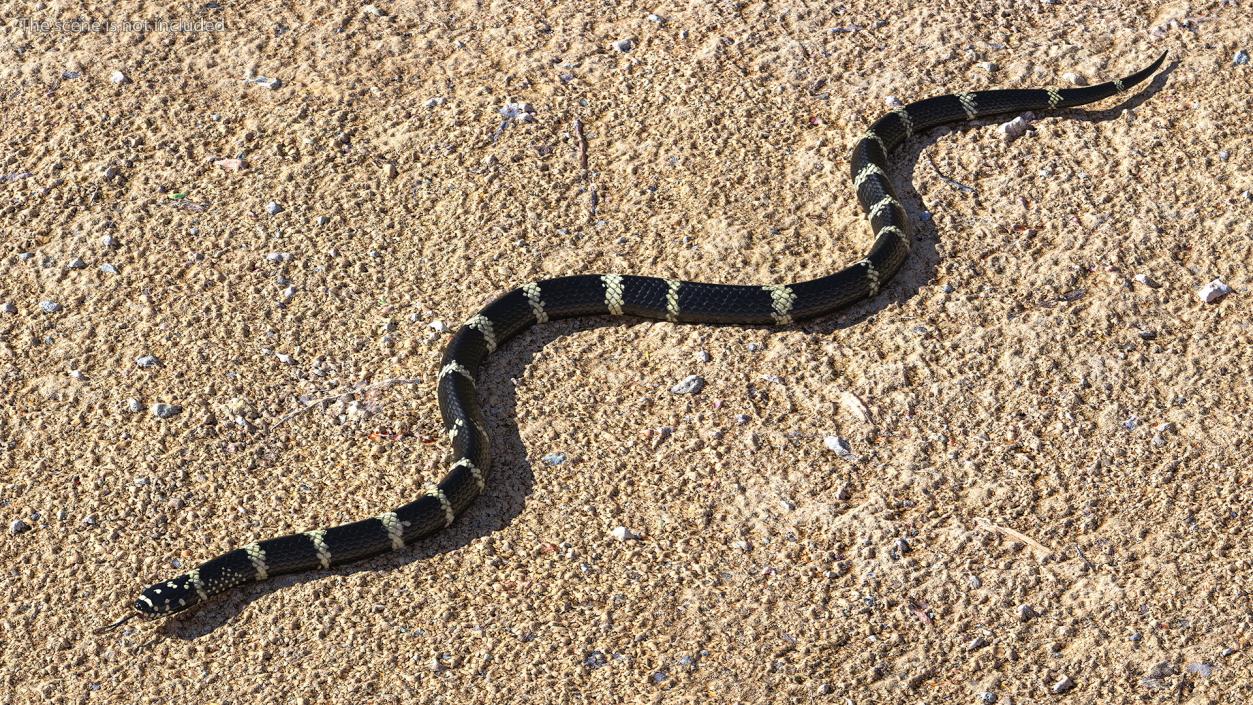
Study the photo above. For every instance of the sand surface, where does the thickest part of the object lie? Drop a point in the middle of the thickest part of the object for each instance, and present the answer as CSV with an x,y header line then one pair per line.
x,y
1041,429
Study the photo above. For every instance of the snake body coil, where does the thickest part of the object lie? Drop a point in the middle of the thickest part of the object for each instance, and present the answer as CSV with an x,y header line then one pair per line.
x,y
619,295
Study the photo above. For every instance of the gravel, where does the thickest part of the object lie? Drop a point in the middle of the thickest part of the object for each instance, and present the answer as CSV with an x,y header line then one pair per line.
x,y
8,307
18,527
1063,685
146,361
1026,613
49,306
273,208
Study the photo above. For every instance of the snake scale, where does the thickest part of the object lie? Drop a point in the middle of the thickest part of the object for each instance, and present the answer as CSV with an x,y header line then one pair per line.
x,y
618,295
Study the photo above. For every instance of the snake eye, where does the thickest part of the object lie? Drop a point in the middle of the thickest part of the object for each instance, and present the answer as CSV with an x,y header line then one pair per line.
x,y
146,606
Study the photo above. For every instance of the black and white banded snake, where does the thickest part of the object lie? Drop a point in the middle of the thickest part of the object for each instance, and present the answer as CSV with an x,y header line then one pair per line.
x,y
613,294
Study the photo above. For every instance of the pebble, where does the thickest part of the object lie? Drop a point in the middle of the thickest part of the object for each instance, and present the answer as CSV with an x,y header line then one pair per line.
x,y
273,208
439,326
389,170
555,458
595,659
893,102
433,102
49,306
27,256
8,307
78,375
18,527
109,241
1015,128
1241,58
853,405
89,520
1147,281
1213,291
76,263
989,66
165,411
624,45
692,384
654,17
840,446
622,533
1203,670
1161,669
323,220
1065,685
845,492
902,546
1074,79
976,644
134,406
519,112
703,356
284,358
277,257
1026,613
974,582
108,268
119,78
147,361
272,83
987,697
741,419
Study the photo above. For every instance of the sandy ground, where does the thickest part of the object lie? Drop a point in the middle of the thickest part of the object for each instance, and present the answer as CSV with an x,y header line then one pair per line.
x,y
1042,429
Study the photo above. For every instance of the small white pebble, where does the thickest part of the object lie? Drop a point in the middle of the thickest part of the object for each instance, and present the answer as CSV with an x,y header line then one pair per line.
x,y
839,446
1241,58
1074,79
692,384
433,102
853,405
622,533
146,361
8,307
1147,281
119,78
1213,291
624,45
518,112
49,306
893,102
1015,128
439,326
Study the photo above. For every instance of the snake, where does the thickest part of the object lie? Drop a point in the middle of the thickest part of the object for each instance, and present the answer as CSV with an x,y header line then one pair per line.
x,y
615,295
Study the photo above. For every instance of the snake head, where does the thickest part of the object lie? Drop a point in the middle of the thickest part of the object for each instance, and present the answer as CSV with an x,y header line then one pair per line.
x,y
171,596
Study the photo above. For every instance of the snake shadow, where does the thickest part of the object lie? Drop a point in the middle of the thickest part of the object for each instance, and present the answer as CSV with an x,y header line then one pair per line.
x,y
513,477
